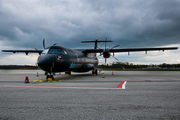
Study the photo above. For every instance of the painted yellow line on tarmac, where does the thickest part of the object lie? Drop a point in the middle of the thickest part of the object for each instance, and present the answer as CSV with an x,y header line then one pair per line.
x,y
37,80
56,80
45,80
34,81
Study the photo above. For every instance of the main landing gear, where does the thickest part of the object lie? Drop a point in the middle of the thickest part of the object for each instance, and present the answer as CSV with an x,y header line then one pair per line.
x,y
94,72
68,73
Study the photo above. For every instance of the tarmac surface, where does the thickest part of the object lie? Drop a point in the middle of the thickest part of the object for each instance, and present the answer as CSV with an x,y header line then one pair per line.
x,y
125,95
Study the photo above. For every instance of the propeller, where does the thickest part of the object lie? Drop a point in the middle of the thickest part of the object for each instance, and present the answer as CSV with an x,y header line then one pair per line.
x,y
115,58
106,53
36,49
44,43
105,43
115,46
55,44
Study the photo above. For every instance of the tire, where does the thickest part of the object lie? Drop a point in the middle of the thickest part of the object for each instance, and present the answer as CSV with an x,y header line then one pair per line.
x,y
47,76
96,72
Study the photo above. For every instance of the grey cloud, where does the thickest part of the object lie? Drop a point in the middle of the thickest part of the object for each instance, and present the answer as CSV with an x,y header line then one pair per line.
x,y
129,23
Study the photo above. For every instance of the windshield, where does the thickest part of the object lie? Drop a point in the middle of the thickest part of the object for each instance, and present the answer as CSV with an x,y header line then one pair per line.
x,y
55,51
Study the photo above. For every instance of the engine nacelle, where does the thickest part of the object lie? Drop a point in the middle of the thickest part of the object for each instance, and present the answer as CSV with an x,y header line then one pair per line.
x,y
106,54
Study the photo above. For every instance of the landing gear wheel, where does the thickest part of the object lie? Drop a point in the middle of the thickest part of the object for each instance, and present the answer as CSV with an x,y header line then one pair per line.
x,y
47,76
68,73
96,72
93,72
51,76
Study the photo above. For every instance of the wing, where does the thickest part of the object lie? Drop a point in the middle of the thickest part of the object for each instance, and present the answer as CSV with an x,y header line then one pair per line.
x,y
24,51
126,50
143,49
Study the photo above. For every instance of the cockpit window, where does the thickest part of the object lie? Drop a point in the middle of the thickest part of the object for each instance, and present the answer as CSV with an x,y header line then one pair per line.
x,y
55,51
65,52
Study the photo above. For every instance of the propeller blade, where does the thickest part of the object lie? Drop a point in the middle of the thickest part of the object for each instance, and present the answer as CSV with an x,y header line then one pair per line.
x,y
55,44
44,43
105,60
115,58
105,43
115,46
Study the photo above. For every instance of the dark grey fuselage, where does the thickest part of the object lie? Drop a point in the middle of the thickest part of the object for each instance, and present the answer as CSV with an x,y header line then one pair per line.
x,y
66,60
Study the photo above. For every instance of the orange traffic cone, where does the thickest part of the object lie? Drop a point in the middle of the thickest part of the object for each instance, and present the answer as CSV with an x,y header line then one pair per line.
x,y
103,76
112,73
37,75
26,79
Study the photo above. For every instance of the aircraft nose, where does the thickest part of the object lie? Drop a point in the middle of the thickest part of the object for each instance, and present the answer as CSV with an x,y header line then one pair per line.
x,y
42,61
45,62
50,63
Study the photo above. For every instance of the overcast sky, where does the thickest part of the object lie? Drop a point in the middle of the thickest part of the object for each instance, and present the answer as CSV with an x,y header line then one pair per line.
x,y
130,23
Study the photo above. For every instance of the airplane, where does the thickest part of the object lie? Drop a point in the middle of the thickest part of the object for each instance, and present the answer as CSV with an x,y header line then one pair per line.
x,y
60,59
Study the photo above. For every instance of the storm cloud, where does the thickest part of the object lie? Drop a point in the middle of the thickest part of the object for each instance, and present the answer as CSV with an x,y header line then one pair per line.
x,y
132,23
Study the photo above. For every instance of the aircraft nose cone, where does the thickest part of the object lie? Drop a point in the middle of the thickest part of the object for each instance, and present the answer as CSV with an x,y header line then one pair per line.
x,y
51,63
42,62
45,62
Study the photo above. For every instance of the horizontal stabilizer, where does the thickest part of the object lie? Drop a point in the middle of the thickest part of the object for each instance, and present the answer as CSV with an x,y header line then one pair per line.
x,y
94,41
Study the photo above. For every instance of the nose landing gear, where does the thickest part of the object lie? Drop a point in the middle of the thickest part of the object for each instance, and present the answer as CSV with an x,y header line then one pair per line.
x,y
49,77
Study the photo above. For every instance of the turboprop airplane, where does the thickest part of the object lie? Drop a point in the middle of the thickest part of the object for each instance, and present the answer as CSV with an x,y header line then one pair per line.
x,y
60,59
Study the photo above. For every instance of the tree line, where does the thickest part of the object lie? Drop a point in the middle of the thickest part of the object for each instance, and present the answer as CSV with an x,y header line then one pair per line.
x,y
122,65
18,67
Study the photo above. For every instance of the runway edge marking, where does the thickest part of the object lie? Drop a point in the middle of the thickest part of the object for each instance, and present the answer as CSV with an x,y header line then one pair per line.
x,y
122,85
